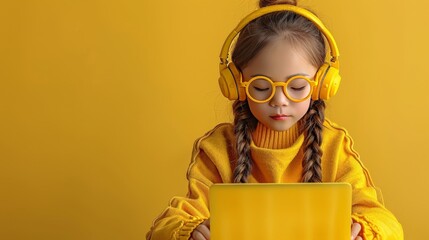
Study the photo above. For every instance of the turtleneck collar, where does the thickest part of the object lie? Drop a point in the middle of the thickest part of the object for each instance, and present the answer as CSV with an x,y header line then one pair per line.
x,y
265,137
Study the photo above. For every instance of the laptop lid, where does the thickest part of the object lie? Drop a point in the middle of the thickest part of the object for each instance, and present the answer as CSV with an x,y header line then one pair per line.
x,y
292,211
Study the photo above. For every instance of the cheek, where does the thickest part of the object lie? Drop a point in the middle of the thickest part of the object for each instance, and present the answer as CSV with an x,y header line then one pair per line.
x,y
302,107
257,109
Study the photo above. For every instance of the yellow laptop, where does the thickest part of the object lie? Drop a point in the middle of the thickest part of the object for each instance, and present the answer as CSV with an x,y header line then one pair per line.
x,y
291,211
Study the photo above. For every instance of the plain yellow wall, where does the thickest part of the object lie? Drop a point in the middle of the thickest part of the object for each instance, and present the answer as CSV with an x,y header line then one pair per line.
x,y
101,101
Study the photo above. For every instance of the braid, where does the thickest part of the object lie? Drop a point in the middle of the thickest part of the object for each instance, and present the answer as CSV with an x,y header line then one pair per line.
x,y
313,123
244,124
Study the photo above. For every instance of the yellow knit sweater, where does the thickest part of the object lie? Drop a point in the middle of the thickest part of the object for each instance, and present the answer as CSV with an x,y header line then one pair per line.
x,y
211,163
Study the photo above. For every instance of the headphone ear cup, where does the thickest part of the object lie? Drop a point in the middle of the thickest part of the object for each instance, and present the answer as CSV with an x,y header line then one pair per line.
x,y
229,83
328,79
331,83
319,79
227,86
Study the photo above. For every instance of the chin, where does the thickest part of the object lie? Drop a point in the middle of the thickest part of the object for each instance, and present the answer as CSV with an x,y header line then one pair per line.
x,y
279,127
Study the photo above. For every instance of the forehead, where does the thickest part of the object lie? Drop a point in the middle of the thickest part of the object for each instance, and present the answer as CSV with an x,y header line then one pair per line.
x,y
278,60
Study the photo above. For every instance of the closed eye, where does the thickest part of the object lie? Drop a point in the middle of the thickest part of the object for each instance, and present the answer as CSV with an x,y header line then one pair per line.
x,y
261,89
298,88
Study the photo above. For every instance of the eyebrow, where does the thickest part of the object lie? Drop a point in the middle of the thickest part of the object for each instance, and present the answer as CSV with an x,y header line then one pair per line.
x,y
293,75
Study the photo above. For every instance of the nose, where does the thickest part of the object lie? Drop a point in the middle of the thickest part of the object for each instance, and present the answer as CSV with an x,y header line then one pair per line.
x,y
279,99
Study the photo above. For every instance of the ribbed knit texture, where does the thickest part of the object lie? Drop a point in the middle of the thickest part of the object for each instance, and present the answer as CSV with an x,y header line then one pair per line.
x,y
265,137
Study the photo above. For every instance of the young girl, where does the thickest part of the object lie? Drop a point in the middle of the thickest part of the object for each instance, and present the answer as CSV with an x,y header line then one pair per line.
x,y
278,66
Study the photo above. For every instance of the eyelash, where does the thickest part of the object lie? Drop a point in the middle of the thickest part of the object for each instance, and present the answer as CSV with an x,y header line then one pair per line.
x,y
261,89
298,89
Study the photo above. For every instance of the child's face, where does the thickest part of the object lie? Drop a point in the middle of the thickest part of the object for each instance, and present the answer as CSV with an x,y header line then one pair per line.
x,y
279,61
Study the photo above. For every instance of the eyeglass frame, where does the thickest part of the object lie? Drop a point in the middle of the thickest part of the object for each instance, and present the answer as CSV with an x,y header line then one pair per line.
x,y
246,85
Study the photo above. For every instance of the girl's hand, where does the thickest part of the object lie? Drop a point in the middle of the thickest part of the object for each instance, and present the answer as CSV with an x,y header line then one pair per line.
x,y
202,231
356,227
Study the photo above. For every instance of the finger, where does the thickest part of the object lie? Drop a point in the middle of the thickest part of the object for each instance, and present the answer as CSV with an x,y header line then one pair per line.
x,y
356,227
204,230
207,223
197,235
358,238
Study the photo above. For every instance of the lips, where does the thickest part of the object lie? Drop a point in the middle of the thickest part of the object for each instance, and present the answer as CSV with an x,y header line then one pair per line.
x,y
280,116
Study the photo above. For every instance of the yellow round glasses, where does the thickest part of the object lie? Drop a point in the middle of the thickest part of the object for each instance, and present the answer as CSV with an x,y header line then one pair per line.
x,y
261,89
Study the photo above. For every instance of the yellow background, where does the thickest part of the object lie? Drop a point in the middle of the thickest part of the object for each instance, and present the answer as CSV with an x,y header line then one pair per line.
x,y
101,101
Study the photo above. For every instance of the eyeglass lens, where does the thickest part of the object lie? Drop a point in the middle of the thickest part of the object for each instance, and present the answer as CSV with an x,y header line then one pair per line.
x,y
296,89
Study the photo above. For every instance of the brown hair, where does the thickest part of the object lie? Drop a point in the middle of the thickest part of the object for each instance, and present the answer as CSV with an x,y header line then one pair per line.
x,y
301,33
264,3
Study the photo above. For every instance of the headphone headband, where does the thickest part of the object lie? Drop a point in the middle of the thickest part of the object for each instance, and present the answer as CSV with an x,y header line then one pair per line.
x,y
277,8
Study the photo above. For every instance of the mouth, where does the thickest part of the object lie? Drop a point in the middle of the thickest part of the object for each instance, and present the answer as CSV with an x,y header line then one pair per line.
x,y
280,116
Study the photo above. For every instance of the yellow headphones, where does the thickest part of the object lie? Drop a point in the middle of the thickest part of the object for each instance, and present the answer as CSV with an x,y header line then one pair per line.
x,y
327,77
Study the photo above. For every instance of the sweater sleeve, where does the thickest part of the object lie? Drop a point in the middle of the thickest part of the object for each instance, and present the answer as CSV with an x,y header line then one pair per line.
x,y
367,205
184,214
